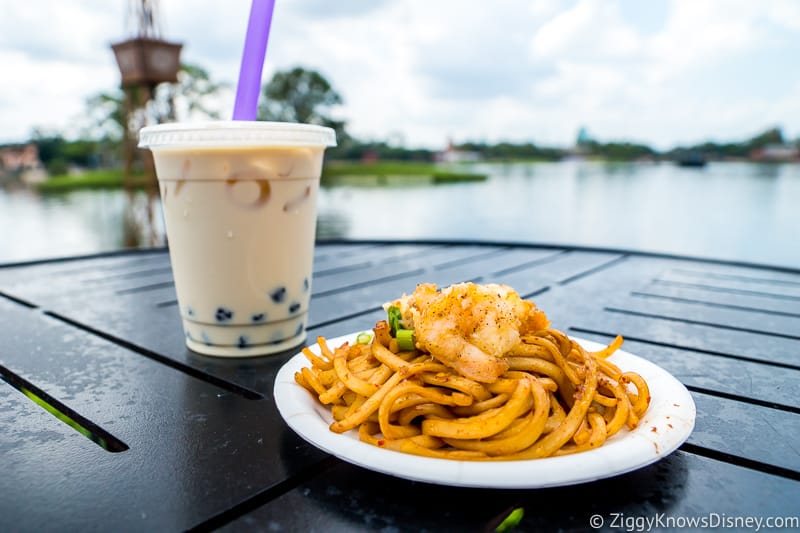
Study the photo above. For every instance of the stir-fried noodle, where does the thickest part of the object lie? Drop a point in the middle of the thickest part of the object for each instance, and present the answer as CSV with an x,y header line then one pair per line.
x,y
554,398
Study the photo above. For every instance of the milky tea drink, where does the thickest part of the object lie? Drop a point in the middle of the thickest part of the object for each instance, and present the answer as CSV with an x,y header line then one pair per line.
x,y
239,201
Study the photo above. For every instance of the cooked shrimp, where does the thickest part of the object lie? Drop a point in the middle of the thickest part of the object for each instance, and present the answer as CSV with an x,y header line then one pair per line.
x,y
470,327
532,319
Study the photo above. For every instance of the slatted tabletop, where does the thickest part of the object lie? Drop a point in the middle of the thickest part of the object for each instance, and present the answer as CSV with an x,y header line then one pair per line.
x,y
172,440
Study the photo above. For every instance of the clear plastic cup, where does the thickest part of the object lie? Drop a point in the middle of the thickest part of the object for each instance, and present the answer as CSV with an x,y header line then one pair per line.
x,y
239,201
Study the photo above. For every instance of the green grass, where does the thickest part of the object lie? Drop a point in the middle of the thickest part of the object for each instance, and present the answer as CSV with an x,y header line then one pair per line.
x,y
91,179
396,169
380,173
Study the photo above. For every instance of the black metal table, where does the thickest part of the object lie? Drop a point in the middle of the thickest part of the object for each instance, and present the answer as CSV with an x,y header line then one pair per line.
x,y
170,440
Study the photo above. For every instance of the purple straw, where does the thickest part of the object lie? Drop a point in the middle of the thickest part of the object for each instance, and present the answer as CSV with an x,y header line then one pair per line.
x,y
255,48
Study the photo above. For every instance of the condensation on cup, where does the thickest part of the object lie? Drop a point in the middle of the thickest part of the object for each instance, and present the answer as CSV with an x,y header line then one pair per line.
x,y
239,201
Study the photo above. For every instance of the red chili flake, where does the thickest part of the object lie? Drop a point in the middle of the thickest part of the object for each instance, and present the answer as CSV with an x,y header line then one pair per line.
x,y
381,442
654,429
670,426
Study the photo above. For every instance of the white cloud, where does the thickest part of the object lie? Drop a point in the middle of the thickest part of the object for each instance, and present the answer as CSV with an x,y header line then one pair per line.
x,y
783,13
591,29
47,93
696,35
510,69
73,31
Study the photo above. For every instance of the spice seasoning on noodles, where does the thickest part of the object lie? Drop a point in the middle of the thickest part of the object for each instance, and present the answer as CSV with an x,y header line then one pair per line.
x,y
478,373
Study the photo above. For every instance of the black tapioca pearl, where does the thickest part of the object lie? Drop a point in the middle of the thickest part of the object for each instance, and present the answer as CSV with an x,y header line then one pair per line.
x,y
259,317
242,342
306,284
295,307
278,295
189,311
223,315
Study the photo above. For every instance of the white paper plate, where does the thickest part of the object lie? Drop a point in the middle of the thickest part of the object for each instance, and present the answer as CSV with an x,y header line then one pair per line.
x,y
666,425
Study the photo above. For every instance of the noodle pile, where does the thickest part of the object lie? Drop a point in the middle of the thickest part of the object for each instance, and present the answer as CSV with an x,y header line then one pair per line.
x,y
555,399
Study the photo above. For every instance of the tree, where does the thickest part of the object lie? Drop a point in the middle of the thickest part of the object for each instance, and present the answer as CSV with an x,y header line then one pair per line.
x,y
58,154
50,147
192,95
105,116
104,119
300,95
771,136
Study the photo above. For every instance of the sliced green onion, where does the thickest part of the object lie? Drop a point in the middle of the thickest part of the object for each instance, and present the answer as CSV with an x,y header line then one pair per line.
x,y
394,316
511,521
405,339
364,338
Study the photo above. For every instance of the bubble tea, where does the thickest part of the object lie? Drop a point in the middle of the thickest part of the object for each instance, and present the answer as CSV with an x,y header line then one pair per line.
x,y
239,201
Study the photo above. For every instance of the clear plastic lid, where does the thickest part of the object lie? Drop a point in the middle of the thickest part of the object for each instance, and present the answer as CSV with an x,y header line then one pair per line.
x,y
234,133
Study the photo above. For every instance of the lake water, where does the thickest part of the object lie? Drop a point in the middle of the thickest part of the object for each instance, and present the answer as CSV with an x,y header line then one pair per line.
x,y
737,211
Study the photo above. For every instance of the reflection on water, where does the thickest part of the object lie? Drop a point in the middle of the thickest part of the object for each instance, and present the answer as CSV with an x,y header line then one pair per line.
x,y
34,226
142,222
739,211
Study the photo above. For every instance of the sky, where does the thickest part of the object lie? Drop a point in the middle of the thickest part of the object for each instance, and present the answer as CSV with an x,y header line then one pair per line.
x,y
424,72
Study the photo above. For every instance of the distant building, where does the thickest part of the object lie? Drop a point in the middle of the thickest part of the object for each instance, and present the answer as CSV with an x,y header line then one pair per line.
x,y
451,154
370,156
583,145
21,160
16,158
584,139
776,152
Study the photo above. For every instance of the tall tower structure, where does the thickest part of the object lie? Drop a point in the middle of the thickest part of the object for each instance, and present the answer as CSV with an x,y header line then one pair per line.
x,y
145,59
